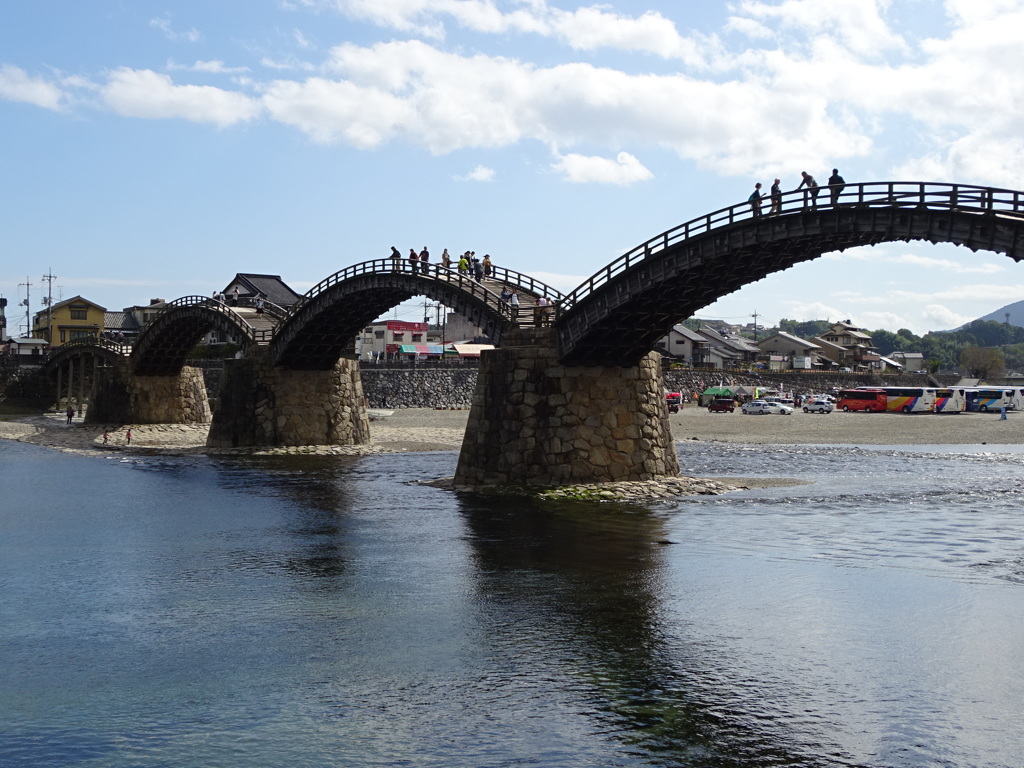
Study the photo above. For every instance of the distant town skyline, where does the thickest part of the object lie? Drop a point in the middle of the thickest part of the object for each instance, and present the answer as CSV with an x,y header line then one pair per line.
x,y
154,151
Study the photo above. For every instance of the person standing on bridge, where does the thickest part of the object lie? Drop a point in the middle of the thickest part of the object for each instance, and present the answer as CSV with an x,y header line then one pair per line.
x,y
234,297
259,304
414,260
464,263
812,189
396,260
836,184
487,265
446,260
776,194
478,270
755,200
424,260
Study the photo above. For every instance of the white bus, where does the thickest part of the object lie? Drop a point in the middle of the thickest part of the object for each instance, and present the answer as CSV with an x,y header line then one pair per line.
x,y
909,399
989,398
950,400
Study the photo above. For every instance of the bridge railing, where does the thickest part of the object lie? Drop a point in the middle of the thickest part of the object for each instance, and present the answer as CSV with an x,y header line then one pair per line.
x,y
220,307
884,194
70,346
403,266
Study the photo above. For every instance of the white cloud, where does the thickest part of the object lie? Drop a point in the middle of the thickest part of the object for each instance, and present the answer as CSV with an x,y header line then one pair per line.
x,y
18,85
148,94
164,25
480,173
211,67
581,169
887,257
940,316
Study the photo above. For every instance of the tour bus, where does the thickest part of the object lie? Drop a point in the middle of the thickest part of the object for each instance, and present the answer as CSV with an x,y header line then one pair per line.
x,y
909,399
950,400
989,399
867,399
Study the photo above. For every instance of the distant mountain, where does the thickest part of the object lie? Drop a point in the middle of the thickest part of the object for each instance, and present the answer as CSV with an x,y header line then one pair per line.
x,y
1015,310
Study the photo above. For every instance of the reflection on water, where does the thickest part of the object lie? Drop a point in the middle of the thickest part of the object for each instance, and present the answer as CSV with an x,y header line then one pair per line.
x,y
309,611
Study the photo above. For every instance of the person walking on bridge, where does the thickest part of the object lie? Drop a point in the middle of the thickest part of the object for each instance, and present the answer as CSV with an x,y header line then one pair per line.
x,y
755,200
414,260
463,263
812,189
424,260
836,184
776,196
487,265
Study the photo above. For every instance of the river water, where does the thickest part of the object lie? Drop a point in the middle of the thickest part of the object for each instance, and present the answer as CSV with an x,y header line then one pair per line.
x,y
323,611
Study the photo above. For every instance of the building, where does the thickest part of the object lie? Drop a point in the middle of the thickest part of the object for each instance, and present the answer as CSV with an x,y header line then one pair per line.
x,y
911,361
384,339
783,351
685,345
860,352
271,287
69,320
728,351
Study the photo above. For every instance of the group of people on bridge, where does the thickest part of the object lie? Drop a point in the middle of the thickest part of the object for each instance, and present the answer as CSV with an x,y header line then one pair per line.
x,y
836,184
467,264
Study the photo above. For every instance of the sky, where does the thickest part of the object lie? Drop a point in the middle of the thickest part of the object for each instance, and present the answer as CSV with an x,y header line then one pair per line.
x,y
155,149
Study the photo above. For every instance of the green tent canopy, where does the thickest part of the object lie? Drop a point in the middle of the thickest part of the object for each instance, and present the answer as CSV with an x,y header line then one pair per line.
x,y
718,391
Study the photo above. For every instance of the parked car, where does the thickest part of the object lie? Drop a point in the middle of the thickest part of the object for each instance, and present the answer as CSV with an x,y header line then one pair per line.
x,y
720,404
760,407
818,406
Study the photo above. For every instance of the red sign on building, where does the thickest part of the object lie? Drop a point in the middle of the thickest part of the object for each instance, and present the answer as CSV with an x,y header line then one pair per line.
x,y
401,325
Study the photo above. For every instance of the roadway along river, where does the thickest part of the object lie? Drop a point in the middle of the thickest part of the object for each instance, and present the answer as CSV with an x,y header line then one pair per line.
x,y
315,611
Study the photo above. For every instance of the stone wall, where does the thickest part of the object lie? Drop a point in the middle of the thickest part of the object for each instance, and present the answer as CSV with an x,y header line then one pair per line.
x,y
259,404
451,387
120,397
535,421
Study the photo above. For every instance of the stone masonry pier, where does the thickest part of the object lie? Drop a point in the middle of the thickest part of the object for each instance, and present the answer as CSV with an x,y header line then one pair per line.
x,y
535,421
263,405
121,397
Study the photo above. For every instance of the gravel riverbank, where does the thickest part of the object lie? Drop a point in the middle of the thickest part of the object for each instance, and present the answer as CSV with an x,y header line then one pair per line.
x,y
421,429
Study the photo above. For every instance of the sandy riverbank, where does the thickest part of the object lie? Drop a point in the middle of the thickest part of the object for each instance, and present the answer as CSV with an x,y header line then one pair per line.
x,y
420,429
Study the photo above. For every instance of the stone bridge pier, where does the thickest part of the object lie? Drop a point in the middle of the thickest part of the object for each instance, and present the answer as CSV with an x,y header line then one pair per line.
x,y
260,404
535,421
121,397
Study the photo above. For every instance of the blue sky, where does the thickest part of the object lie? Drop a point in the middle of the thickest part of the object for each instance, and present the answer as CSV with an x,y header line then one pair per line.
x,y
154,149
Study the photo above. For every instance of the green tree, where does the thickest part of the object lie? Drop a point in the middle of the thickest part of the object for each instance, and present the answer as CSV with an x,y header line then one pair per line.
x,y
983,362
805,329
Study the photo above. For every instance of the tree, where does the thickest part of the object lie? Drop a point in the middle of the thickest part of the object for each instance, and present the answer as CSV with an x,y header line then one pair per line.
x,y
805,329
983,362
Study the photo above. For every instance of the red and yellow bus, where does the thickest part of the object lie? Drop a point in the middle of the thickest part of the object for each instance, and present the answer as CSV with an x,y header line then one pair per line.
x,y
867,399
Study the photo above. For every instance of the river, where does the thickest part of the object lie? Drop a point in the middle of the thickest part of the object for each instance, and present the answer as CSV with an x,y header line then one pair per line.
x,y
326,611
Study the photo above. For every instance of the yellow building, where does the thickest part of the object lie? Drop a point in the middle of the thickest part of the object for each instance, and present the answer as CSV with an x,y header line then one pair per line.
x,y
68,320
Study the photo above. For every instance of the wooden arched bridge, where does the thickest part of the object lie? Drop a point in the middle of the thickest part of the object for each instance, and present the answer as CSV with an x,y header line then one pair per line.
x,y
612,320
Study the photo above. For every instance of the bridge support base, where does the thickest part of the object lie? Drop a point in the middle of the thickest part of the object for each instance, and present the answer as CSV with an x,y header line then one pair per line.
x,y
121,397
534,421
263,405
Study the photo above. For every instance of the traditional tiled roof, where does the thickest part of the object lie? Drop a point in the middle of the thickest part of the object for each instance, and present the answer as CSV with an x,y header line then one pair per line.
x,y
119,321
272,287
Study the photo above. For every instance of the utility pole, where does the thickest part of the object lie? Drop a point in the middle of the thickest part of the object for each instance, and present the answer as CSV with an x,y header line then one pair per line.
x,y
755,325
28,320
49,277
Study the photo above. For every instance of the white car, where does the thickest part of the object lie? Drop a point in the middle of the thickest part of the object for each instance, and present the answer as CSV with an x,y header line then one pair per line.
x,y
760,407
818,406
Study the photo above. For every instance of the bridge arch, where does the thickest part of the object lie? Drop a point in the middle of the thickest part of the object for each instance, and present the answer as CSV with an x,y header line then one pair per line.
x,y
616,316
163,347
323,325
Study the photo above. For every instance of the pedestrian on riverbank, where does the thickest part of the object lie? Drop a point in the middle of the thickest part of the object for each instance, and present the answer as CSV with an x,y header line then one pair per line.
x,y
70,413
106,436
128,437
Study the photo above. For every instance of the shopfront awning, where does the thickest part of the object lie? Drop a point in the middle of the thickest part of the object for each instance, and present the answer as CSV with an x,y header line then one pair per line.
x,y
419,349
471,350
